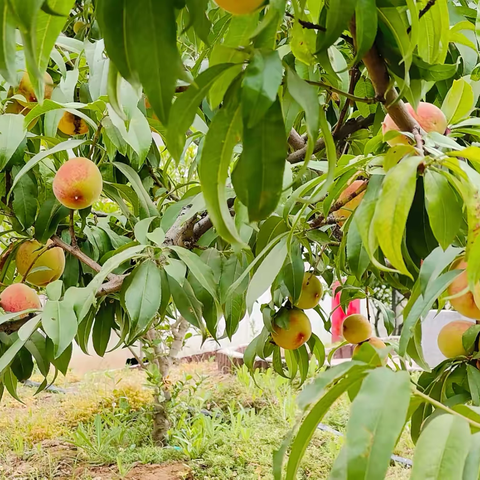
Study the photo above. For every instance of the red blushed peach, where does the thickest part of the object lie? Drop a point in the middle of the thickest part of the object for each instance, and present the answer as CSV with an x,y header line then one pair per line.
x,y
298,332
78,183
19,297
429,117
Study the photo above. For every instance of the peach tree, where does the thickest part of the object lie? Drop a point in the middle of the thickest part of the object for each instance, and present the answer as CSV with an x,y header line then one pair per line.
x,y
165,163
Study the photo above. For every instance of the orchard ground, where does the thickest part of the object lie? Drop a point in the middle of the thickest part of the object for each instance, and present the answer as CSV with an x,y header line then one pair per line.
x,y
224,427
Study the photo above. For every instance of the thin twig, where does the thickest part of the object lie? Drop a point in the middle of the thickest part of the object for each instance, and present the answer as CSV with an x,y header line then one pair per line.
x,y
354,78
326,86
95,140
73,238
443,407
76,252
422,12
330,219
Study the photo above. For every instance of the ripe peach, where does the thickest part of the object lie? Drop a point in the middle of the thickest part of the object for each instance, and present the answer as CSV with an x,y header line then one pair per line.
x,y
78,183
26,88
298,332
240,7
465,304
356,329
312,292
18,297
450,338
72,125
52,259
373,341
429,116
349,207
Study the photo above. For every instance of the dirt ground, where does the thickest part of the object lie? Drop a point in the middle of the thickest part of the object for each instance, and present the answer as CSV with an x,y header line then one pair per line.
x,y
175,471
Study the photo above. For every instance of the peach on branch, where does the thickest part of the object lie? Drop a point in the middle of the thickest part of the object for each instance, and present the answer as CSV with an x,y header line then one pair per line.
x,y
465,303
44,264
374,342
78,183
71,124
240,7
450,340
297,333
356,329
429,117
312,292
19,297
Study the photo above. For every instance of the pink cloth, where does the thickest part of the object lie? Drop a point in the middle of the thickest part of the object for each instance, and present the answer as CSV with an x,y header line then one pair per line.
x,y
338,315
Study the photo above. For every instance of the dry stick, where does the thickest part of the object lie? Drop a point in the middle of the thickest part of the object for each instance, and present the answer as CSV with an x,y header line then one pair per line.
x,y
351,126
354,78
326,86
424,10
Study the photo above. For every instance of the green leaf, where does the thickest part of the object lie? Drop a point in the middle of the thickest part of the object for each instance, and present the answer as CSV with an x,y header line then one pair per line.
x,y
24,334
293,271
60,324
473,376
47,29
198,18
258,175
103,326
310,423
214,167
25,199
147,206
339,15
377,417
366,24
392,210
141,294
68,145
7,44
459,101
472,463
357,256
200,270
435,26
185,107
422,306
186,302
261,81
51,213
442,449
444,210
271,228
12,134
266,272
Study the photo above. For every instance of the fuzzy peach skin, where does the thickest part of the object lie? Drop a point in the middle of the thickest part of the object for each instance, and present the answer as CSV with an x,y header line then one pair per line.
x,y
240,7
298,332
450,340
465,304
53,259
78,183
429,116
26,88
18,297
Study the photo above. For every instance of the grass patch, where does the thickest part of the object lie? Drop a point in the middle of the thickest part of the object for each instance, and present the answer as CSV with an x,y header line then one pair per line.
x,y
223,427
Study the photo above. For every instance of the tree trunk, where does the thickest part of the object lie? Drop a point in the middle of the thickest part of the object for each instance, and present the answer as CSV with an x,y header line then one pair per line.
x,y
164,361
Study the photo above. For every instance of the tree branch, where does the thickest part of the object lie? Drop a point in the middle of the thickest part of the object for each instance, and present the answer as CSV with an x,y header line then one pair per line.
x,y
345,131
339,204
76,252
296,140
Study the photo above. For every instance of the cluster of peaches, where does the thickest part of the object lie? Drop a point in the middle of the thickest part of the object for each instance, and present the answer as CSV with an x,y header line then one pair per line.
x,y
299,329
77,185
